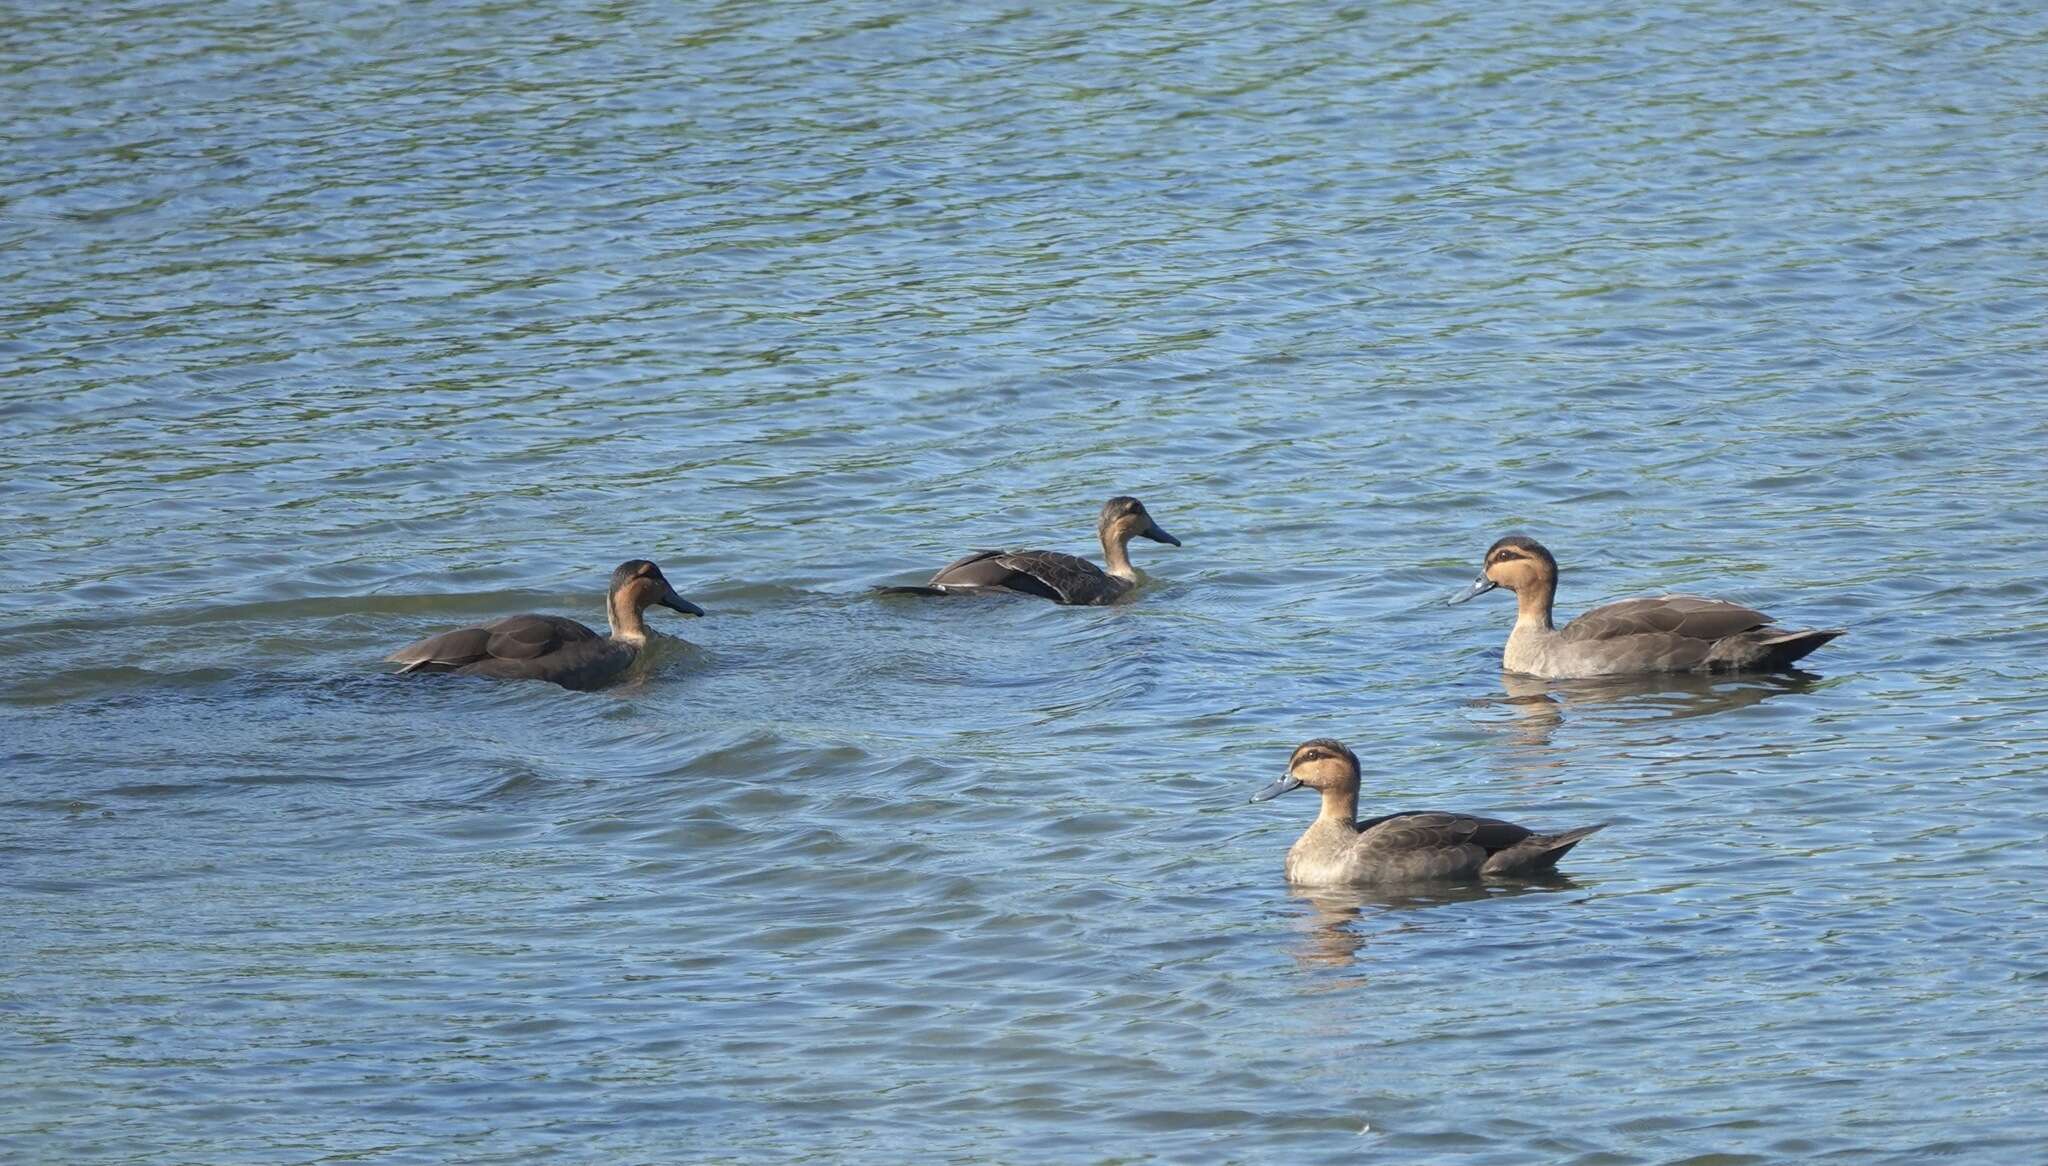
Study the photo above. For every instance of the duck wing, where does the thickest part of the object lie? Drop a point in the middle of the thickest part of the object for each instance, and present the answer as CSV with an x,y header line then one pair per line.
x,y
524,637
1681,633
1684,616
1418,847
518,637
1435,844
1046,574
1435,829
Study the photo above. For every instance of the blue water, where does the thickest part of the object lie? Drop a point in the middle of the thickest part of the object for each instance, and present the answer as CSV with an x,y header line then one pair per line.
x,y
323,328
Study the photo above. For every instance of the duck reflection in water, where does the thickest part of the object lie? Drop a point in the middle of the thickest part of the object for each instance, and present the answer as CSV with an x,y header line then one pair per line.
x,y
1341,921
1540,706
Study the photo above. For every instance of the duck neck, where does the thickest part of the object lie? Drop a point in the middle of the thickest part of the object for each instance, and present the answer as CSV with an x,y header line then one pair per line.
x,y
1532,606
1340,807
624,614
1116,556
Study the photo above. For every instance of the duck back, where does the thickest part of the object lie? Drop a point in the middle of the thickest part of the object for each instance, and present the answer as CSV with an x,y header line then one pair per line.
x,y
521,647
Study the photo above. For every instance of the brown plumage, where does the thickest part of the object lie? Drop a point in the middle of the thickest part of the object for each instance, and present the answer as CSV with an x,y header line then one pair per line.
x,y
1411,846
550,647
1671,633
1052,575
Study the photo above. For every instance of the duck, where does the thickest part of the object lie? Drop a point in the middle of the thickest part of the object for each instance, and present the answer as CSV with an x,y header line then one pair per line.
x,y
1062,578
1666,633
551,647
1410,846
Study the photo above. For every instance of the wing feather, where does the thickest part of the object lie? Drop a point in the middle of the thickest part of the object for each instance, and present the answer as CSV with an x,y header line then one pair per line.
x,y
1427,830
442,652
518,637
1686,617
524,637
1047,574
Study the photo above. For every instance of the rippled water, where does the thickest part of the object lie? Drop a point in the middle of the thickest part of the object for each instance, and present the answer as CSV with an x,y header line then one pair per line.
x,y
325,327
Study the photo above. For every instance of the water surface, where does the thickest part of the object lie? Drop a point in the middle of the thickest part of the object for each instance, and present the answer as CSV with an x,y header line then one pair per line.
x,y
323,328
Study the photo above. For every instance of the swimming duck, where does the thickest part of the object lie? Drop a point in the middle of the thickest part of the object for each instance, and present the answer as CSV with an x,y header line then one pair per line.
x,y
549,647
1669,633
1050,574
1411,846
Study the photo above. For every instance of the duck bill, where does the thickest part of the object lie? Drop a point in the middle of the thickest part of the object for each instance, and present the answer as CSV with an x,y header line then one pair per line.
x,y
674,602
1480,586
1284,785
1157,535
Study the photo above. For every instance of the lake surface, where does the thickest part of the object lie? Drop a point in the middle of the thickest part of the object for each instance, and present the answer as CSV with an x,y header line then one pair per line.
x,y
323,328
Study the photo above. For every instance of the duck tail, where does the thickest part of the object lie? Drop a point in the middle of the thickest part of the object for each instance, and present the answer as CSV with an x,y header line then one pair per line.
x,y
921,591
1538,852
1783,650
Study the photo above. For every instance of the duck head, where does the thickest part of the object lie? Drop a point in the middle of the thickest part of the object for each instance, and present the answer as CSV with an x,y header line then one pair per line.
x,y
1518,563
638,584
1124,518
1324,765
